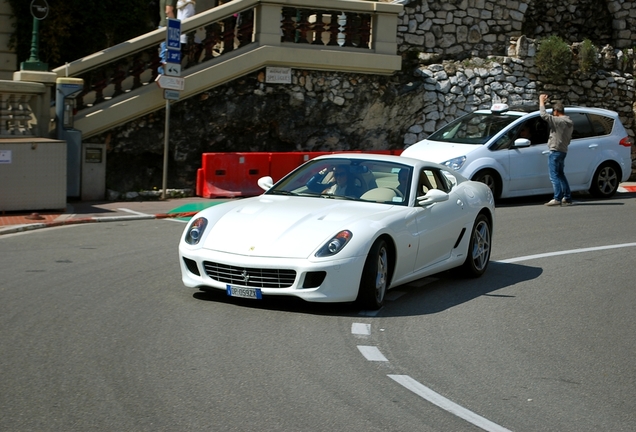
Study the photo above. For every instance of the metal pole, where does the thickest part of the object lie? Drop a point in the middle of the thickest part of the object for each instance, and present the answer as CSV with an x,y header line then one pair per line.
x,y
166,135
35,42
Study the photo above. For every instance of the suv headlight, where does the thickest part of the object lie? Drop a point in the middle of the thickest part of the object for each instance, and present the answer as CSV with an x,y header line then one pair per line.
x,y
455,163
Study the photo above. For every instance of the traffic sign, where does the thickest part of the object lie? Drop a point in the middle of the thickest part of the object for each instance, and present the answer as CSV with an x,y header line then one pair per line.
x,y
173,34
172,69
173,56
170,82
171,94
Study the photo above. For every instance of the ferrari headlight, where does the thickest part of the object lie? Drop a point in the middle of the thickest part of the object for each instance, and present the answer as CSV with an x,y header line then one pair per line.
x,y
195,231
455,163
335,244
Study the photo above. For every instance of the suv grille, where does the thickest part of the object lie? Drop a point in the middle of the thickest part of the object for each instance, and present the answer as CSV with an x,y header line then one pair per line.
x,y
250,277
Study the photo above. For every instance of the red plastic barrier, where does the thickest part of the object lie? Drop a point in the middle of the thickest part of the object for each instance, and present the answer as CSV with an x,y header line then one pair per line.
x,y
233,174
200,182
316,154
236,174
281,163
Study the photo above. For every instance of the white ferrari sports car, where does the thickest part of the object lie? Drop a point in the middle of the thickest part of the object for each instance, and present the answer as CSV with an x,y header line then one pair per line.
x,y
340,228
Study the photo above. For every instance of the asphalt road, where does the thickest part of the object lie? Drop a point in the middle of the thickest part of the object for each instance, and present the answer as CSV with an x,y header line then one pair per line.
x,y
98,333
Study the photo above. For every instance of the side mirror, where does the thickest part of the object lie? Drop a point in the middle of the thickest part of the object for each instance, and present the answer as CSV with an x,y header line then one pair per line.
x,y
522,142
265,183
432,196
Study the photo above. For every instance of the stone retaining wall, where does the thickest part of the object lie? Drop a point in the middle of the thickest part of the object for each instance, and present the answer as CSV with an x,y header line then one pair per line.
x,y
478,28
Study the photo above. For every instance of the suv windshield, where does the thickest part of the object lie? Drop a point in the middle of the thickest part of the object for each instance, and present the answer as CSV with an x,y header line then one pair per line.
x,y
473,128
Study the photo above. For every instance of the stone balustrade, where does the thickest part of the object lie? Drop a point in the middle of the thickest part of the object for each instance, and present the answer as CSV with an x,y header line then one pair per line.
x,y
24,109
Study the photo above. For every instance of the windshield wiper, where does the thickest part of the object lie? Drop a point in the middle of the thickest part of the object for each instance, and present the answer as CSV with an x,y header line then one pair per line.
x,y
282,192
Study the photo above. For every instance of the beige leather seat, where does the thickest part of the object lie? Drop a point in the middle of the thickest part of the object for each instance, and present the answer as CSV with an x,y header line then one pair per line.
x,y
380,194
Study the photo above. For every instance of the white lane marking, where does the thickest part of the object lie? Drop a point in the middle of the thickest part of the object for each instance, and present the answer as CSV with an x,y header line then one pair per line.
x,y
566,252
371,353
133,212
446,404
361,329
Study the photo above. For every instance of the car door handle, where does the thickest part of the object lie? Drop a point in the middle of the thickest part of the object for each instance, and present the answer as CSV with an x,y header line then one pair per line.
x,y
545,152
460,203
593,146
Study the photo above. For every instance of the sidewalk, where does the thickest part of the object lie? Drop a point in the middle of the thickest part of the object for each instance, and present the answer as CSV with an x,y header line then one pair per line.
x,y
104,211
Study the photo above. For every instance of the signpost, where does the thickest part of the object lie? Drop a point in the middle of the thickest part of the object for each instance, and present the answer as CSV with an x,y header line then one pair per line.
x,y
173,69
171,83
171,95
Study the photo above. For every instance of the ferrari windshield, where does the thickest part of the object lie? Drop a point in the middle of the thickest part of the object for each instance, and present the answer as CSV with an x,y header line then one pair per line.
x,y
476,128
353,179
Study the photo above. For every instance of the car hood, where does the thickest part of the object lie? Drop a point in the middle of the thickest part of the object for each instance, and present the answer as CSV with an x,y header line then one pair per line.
x,y
283,227
437,151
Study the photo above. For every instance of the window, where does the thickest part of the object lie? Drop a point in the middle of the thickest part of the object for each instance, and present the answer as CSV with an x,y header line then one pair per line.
x,y
601,125
431,178
582,125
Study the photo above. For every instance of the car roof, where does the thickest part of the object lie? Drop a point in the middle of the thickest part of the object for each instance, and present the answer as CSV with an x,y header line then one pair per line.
x,y
522,110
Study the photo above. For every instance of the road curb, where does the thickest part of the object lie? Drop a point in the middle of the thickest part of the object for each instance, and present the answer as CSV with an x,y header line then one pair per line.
x,y
76,221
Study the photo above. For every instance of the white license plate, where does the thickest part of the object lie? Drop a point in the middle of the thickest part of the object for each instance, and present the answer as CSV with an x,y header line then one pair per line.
x,y
251,293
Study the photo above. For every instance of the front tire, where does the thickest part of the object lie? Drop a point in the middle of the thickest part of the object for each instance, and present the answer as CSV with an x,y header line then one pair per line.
x,y
605,181
375,277
478,248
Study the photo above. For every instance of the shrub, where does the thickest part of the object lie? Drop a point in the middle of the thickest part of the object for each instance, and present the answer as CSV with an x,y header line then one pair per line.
x,y
553,58
588,55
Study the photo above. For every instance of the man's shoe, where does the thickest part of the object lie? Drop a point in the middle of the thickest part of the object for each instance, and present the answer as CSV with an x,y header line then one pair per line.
x,y
553,203
565,202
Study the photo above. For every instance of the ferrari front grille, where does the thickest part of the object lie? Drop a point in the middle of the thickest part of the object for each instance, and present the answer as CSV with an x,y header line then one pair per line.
x,y
250,277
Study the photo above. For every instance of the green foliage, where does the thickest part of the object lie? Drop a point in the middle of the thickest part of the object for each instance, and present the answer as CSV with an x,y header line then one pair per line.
x,y
588,55
553,58
76,28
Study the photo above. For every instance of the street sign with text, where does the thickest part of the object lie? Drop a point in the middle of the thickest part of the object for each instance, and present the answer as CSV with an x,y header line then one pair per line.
x,y
170,82
173,56
173,34
171,94
39,9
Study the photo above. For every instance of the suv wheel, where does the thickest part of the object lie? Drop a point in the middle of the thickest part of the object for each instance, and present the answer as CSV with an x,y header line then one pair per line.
x,y
605,181
491,179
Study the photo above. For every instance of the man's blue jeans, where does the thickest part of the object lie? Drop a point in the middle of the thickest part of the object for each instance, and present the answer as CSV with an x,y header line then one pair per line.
x,y
556,164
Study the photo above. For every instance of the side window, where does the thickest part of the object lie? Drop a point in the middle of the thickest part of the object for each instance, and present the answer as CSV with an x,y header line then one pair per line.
x,y
504,141
443,182
536,130
431,178
582,126
601,125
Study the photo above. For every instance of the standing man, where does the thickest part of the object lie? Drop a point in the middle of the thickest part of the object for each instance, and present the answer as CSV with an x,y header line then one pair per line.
x,y
561,127
167,9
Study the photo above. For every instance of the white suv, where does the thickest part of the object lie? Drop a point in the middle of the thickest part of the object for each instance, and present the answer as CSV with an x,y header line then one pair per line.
x,y
506,148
